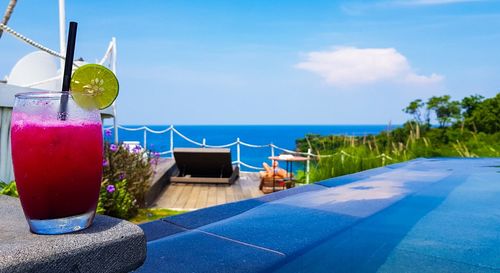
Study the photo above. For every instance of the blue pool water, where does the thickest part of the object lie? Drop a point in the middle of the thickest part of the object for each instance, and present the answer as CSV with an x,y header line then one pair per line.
x,y
281,135
425,215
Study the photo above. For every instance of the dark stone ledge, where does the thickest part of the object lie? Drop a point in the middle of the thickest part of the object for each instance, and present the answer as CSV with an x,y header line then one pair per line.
x,y
109,245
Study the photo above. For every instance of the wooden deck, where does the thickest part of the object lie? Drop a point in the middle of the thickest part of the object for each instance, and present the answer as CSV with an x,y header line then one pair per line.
x,y
162,172
181,196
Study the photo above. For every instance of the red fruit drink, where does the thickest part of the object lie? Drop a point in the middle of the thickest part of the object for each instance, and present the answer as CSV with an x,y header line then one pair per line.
x,y
57,165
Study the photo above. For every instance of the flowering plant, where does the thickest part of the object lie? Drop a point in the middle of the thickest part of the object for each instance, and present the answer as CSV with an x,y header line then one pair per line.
x,y
126,178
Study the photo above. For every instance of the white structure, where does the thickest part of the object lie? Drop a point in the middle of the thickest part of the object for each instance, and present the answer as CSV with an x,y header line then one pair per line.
x,y
39,71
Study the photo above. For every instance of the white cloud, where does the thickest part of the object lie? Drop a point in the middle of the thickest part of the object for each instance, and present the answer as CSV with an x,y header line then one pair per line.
x,y
351,66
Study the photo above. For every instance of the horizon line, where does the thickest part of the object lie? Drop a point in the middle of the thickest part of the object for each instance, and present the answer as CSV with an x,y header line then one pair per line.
x,y
255,124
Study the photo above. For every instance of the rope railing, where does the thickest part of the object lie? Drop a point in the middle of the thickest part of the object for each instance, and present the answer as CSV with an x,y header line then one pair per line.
x,y
32,43
292,152
248,166
326,156
145,128
128,129
254,146
158,132
221,146
343,154
186,138
238,142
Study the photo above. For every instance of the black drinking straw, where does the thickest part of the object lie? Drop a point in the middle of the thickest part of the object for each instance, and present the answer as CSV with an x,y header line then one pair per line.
x,y
68,66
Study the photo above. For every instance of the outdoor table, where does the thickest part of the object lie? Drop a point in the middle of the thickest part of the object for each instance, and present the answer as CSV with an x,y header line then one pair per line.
x,y
289,159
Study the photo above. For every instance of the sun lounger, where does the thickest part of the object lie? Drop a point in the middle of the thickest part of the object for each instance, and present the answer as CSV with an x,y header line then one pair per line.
x,y
204,165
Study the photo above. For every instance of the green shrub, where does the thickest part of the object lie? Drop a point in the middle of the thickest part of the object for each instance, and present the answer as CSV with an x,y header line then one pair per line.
x,y
115,200
126,176
9,189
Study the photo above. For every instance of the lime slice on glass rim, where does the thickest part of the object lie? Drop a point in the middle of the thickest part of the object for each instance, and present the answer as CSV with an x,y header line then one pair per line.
x,y
94,86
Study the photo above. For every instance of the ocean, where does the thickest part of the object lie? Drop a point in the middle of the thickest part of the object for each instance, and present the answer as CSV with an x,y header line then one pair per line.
x,y
283,136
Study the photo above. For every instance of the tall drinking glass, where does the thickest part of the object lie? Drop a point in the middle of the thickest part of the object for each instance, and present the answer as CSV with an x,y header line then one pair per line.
x,y
57,163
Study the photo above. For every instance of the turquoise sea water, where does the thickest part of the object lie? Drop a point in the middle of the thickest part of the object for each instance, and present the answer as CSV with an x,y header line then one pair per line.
x,y
281,135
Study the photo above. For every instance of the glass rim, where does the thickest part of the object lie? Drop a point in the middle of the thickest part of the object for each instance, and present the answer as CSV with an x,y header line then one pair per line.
x,y
52,95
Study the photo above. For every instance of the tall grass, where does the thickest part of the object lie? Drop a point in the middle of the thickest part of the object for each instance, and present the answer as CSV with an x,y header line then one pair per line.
x,y
340,155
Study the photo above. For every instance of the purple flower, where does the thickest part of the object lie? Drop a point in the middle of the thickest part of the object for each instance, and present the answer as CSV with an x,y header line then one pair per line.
x,y
137,149
113,147
156,154
107,132
105,163
121,176
110,188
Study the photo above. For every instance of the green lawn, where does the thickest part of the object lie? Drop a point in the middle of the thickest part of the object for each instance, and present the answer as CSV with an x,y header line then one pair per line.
x,y
148,215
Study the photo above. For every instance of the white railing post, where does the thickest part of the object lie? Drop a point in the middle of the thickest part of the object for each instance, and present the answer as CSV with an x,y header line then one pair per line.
x,y
145,138
62,32
115,126
308,164
272,150
204,142
113,55
171,141
238,152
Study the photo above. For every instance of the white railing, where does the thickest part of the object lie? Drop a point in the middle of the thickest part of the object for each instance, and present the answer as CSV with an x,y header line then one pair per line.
x,y
238,143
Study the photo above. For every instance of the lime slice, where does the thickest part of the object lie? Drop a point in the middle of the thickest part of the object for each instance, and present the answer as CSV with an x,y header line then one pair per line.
x,y
94,86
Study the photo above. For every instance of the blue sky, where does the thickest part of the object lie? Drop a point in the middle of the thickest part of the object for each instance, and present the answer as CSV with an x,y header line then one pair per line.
x,y
276,62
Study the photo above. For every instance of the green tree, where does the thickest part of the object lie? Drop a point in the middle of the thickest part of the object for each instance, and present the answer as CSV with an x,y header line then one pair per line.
x,y
446,111
486,116
470,103
414,109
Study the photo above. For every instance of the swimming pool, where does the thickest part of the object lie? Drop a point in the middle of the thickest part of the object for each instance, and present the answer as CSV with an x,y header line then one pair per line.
x,y
425,215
